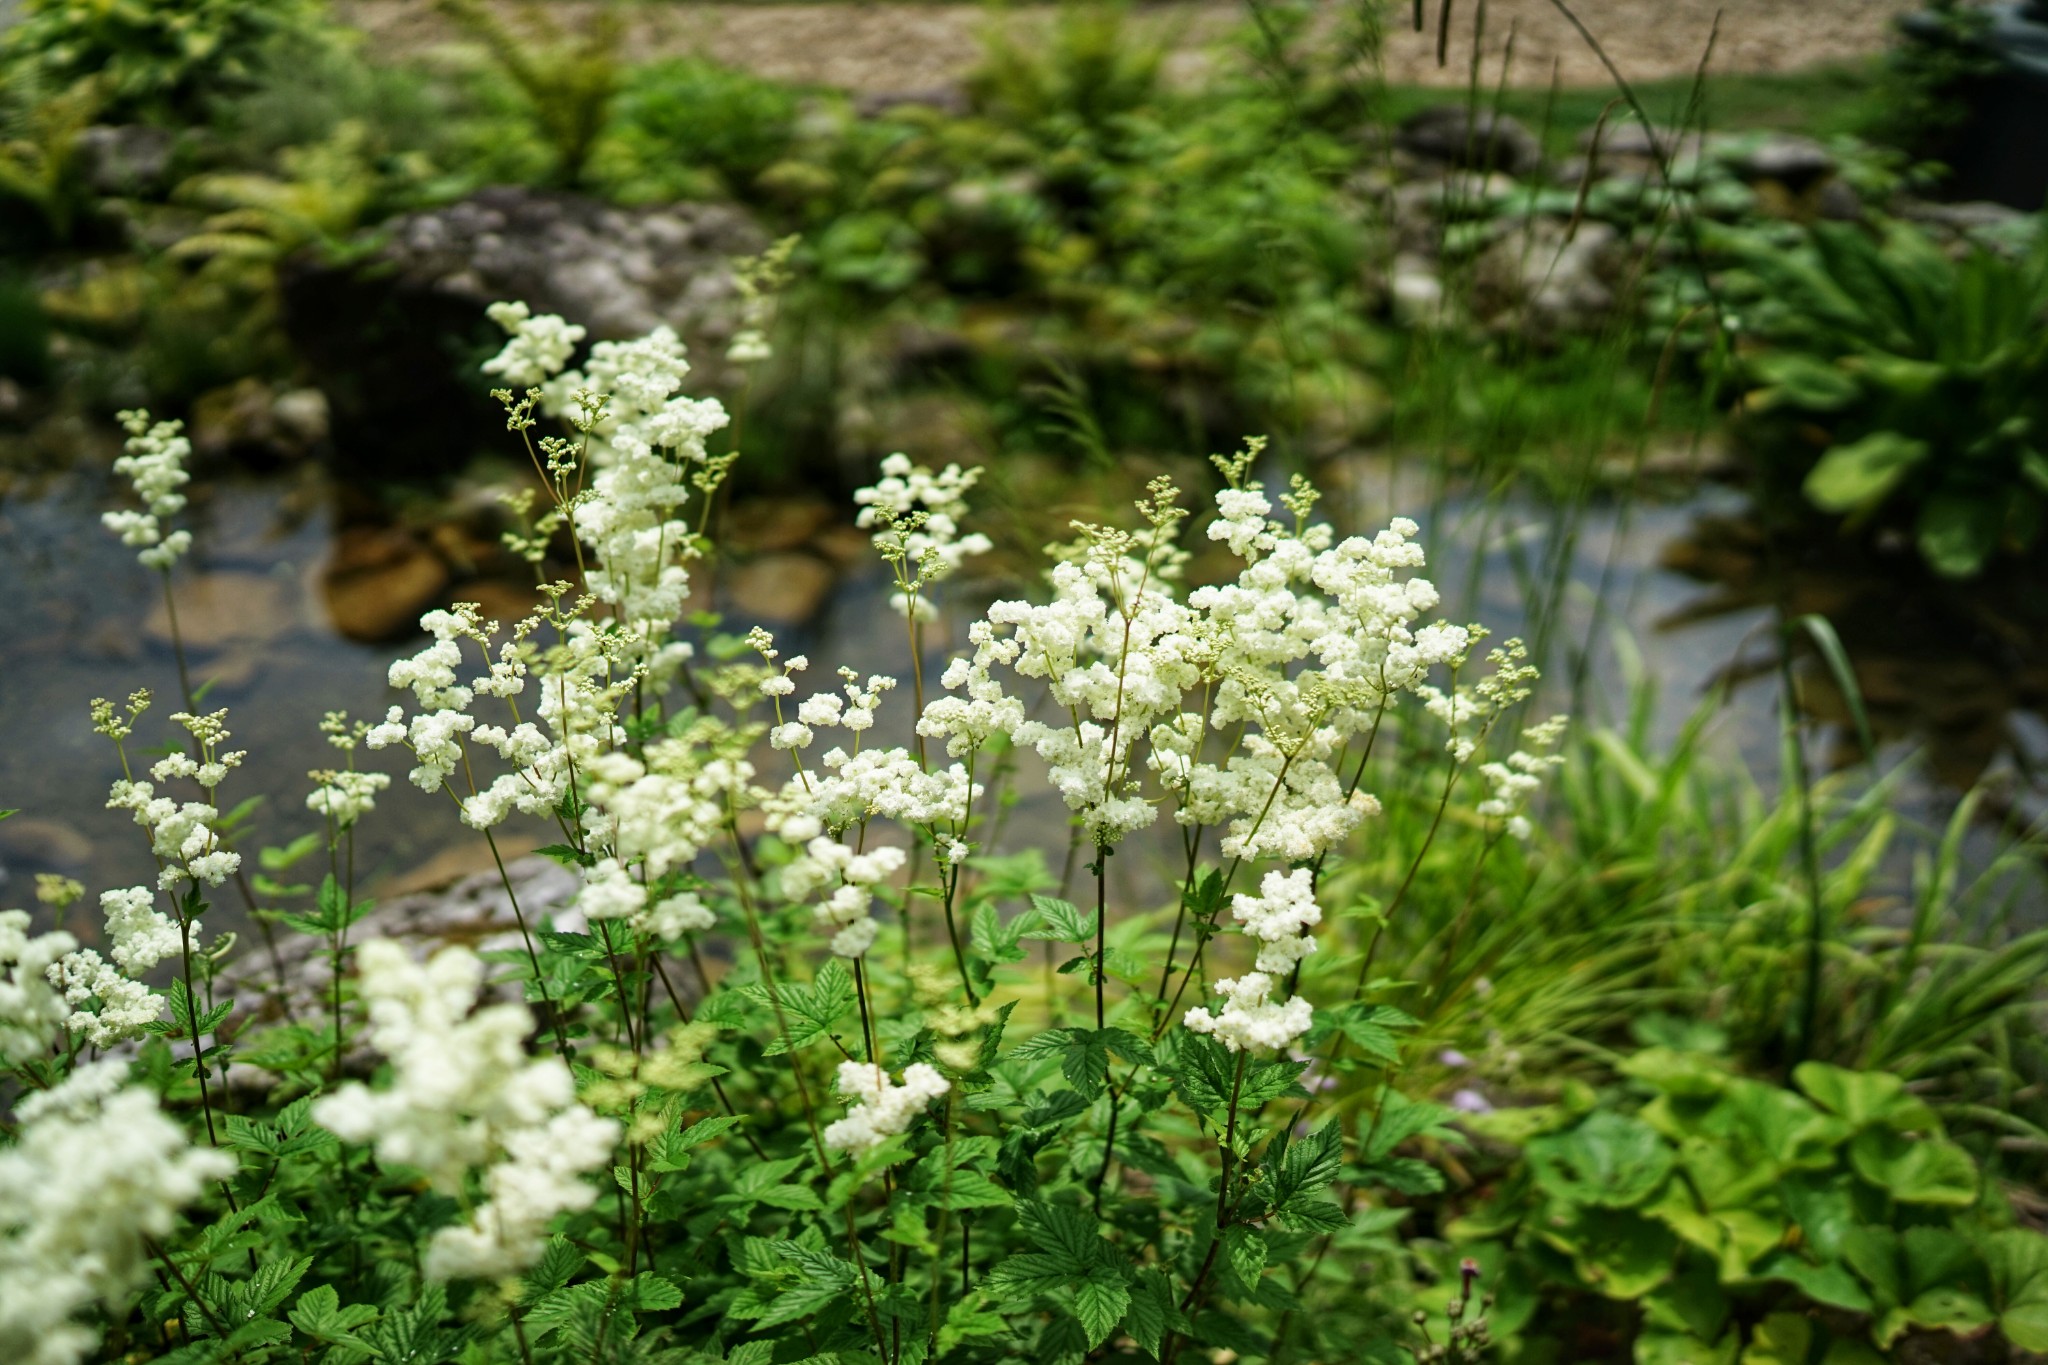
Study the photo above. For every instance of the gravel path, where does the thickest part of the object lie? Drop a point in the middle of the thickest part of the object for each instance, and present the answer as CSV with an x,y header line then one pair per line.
x,y
898,47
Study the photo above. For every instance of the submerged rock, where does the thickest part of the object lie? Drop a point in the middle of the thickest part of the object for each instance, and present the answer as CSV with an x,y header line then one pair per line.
x,y
219,609
250,418
378,580
782,588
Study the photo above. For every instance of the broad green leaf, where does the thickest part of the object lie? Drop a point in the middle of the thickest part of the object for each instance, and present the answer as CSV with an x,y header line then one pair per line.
x,y
1611,1159
1915,1170
2017,1261
1244,1250
1617,1252
966,1319
1100,1305
1065,922
1678,1348
1800,380
1864,472
1948,1310
320,1315
1958,531
1780,1339
1862,1098
1829,1283
1152,1310
1692,1303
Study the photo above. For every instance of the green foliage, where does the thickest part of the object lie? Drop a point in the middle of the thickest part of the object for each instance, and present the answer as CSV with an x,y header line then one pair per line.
x,y
693,129
1729,1210
1925,82
1904,389
161,60
567,76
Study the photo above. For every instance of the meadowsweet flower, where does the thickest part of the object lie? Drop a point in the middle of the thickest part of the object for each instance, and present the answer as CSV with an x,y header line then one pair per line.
x,y
881,1109
916,517
97,1172
141,935
31,1012
827,862
345,796
464,1096
155,466
1512,782
108,1007
181,835
538,347
1279,918
1250,1020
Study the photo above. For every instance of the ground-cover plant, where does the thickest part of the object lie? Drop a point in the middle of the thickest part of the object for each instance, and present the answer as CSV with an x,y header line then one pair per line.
x,y
1744,1220
718,1107
1901,389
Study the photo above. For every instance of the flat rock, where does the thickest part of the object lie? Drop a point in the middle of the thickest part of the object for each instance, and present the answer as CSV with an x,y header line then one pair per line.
x,y
472,910
250,417
1543,272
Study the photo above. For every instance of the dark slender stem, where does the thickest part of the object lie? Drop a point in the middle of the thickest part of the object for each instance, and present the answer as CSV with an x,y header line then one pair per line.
x,y
540,982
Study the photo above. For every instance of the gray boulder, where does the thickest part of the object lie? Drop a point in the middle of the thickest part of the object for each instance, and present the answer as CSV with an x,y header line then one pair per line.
x,y
1449,135
395,334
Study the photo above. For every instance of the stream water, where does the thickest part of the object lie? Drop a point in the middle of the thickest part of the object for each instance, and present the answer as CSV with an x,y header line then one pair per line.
x,y
81,619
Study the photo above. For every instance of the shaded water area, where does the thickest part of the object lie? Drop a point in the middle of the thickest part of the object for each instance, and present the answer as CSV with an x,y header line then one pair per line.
x,y
1594,585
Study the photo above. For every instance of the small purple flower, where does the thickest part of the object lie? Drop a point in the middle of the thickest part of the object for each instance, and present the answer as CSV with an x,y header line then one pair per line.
x,y
1471,1102
1451,1057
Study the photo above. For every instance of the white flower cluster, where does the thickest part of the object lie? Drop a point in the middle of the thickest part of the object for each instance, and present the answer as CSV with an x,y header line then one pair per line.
x,y
1279,918
30,1011
182,835
918,513
881,1110
539,346
609,892
465,1096
826,861
155,465
1251,1020
97,1172
141,934
344,795
125,1007
1513,781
